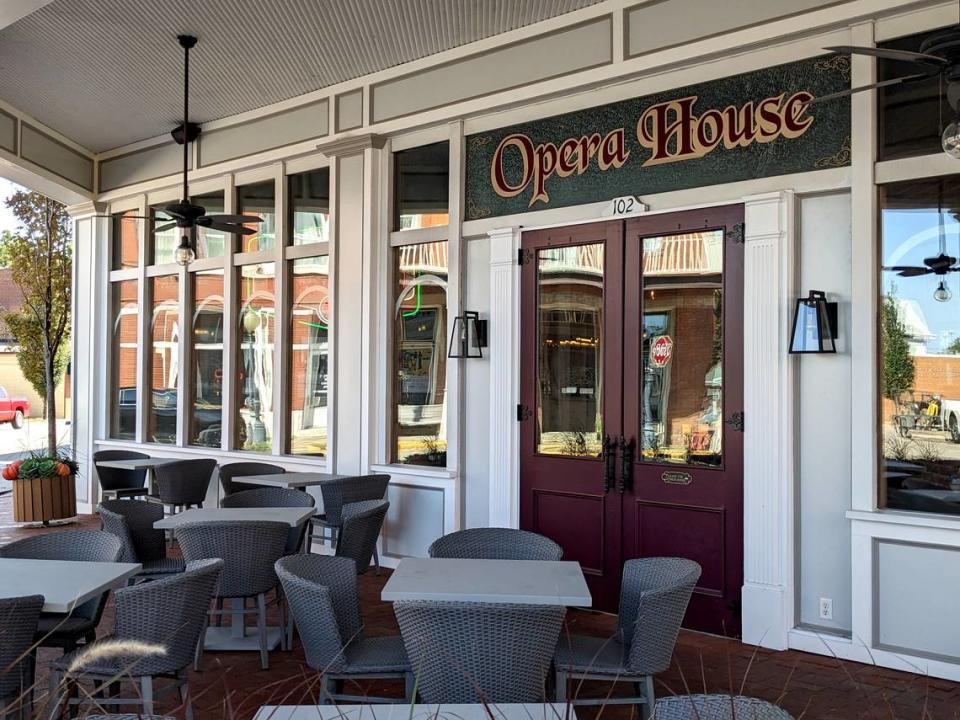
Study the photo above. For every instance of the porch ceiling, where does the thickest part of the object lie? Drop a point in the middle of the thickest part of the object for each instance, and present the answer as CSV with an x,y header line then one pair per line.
x,y
106,73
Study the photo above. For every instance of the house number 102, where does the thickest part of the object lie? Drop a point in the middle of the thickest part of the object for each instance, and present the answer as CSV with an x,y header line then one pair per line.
x,y
627,205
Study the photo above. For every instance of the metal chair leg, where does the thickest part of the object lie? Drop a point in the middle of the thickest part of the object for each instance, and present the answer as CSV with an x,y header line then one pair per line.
x,y
560,689
146,694
646,709
184,690
262,630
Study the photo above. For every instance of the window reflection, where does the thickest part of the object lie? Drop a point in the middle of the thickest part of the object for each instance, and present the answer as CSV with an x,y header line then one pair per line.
x,y
420,357
422,179
682,350
164,359
310,207
164,242
126,240
258,199
570,355
309,330
920,346
210,243
206,407
126,317
255,324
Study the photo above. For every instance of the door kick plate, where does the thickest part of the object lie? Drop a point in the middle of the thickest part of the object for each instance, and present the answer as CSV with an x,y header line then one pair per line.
x,y
675,477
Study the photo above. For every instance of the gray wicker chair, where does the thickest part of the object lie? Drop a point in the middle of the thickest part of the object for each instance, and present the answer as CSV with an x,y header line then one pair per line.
x,y
18,620
132,522
249,551
340,492
465,652
238,469
717,707
118,483
183,484
496,544
322,593
653,600
170,612
362,522
275,497
67,630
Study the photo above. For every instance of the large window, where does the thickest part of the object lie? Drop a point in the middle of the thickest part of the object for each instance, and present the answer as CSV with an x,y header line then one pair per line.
x,y
255,326
920,346
310,207
125,312
422,186
164,358
206,405
210,243
126,241
419,356
309,332
258,199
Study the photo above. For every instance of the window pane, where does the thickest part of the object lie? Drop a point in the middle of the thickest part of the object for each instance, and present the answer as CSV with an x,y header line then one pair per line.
x,y
210,243
126,316
206,406
570,350
309,330
682,355
920,346
310,207
420,356
258,199
164,359
255,323
165,242
126,240
421,177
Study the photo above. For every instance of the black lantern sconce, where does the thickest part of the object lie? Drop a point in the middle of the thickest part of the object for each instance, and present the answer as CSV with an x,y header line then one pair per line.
x,y
468,337
814,325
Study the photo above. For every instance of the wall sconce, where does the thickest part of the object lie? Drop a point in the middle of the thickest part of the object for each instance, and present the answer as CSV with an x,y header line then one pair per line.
x,y
468,337
814,325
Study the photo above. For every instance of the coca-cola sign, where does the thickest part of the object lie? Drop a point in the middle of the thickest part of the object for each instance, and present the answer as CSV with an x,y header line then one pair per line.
x,y
755,125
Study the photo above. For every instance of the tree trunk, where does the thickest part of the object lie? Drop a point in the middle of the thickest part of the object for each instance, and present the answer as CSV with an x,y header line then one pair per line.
x,y
50,403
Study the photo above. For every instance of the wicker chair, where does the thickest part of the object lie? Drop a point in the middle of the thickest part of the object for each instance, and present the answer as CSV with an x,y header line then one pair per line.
x,y
118,483
132,521
183,484
67,630
249,551
653,601
238,469
275,497
340,492
322,593
717,707
496,544
362,522
18,618
465,652
170,612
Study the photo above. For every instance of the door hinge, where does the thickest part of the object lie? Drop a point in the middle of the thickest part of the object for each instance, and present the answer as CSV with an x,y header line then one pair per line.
x,y
736,421
523,413
736,234
524,255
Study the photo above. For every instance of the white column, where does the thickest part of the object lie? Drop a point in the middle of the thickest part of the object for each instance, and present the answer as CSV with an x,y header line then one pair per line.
x,y
768,401
504,352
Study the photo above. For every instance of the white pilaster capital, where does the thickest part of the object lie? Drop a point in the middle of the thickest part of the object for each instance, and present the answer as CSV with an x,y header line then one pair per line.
x,y
352,145
503,245
86,209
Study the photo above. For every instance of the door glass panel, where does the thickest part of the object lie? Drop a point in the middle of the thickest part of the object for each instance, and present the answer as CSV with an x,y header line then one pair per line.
x,y
570,350
682,350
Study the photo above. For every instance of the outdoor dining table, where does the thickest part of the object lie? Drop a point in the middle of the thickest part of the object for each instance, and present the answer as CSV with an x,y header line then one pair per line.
x,y
402,711
64,584
147,464
295,480
523,582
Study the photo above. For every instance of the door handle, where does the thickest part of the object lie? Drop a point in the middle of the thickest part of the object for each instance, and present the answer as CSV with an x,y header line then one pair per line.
x,y
626,465
609,456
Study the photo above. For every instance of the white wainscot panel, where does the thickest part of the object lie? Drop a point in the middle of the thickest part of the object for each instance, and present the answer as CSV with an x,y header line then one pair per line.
x,y
415,519
916,604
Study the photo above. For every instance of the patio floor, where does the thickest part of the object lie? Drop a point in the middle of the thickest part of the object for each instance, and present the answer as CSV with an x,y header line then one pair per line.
x,y
232,685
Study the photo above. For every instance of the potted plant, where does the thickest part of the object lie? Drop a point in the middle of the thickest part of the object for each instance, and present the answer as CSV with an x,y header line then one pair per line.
x,y
44,488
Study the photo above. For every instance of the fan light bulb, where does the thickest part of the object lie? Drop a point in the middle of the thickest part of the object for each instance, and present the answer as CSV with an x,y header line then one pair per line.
x,y
185,254
951,139
942,293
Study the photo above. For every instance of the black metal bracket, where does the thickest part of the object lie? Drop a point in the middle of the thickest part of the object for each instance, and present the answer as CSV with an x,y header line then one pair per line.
x,y
524,255
523,413
626,465
735,421
609,456
736,234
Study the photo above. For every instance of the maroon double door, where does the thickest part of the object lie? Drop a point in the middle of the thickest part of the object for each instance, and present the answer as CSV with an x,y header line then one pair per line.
x,y
631,398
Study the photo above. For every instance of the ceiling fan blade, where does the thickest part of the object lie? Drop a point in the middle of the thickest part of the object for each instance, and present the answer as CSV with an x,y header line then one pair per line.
x,y
862,88
231,228
164,228
914,272
890,54
241,219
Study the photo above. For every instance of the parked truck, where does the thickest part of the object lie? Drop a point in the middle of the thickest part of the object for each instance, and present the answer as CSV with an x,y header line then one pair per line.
x,y
13,410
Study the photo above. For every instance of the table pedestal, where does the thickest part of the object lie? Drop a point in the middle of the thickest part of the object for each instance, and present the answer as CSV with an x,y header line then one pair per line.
x,y
236,636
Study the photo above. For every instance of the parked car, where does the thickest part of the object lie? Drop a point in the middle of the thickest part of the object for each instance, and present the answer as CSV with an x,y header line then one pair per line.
x,y
13,410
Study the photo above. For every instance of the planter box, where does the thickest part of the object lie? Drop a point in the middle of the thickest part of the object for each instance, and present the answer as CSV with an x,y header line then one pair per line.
x,y
44,499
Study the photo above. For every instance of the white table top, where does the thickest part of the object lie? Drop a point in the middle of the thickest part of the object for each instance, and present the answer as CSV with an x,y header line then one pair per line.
x,y
135,463
292,516
63,583
288,480
526,582
399,711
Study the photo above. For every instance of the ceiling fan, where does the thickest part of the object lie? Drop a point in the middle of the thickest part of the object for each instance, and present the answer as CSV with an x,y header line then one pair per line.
x,y
185,215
